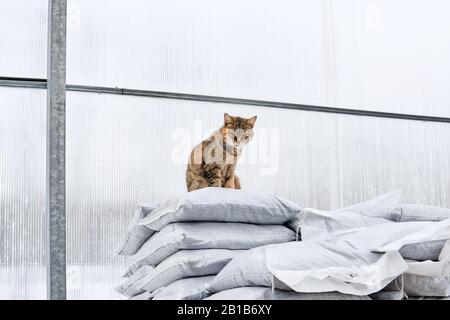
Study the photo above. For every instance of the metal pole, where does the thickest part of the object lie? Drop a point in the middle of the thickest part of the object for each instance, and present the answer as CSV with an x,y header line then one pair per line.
x,y
56,149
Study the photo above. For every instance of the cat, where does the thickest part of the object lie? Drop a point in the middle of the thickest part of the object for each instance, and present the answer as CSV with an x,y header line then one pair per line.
x,y
212,163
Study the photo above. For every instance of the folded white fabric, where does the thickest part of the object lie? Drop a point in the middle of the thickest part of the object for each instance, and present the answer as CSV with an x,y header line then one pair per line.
x,y
183,264
263,293
415,240
408,233
369,219
207,235
136,234
184,289
311,267
378,236
371,233
419,212
374,211
224,205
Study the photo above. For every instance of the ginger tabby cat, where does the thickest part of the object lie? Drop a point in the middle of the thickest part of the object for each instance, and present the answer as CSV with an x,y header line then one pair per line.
x,y
212,163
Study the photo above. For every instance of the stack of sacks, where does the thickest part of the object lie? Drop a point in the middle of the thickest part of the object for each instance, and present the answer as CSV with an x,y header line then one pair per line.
x,y
428,274
178,246
426,253
370,248
315,263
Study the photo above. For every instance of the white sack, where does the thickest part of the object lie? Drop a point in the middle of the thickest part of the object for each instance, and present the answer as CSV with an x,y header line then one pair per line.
x,y
427,278
129,287
318,225
422,286
420,212
224,205
311,267
408,233
371,233
428,250
207,235
184,289
183,264
381,206
263,293
374,211
136,234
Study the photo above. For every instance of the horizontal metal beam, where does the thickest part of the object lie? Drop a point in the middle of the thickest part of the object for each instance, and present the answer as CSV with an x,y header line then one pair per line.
x,y
40,83
23,82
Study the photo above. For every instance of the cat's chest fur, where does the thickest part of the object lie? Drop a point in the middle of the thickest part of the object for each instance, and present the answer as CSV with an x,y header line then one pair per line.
x,y
226,164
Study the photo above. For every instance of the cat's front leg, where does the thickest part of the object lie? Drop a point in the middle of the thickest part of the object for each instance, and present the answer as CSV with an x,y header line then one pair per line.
x,y
216,177
230,183
237,182
229,178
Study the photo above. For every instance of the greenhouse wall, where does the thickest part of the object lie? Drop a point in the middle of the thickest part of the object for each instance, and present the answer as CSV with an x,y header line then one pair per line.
x,y
124,150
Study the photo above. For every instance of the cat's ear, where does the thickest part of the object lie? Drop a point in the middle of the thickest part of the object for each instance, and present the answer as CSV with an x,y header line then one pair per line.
x,y
251,121
227,118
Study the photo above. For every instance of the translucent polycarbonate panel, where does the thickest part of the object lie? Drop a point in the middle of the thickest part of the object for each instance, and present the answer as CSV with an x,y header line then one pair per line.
x,y
392,55
23,38
22,193
123,151
362,54
376,155
260,49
